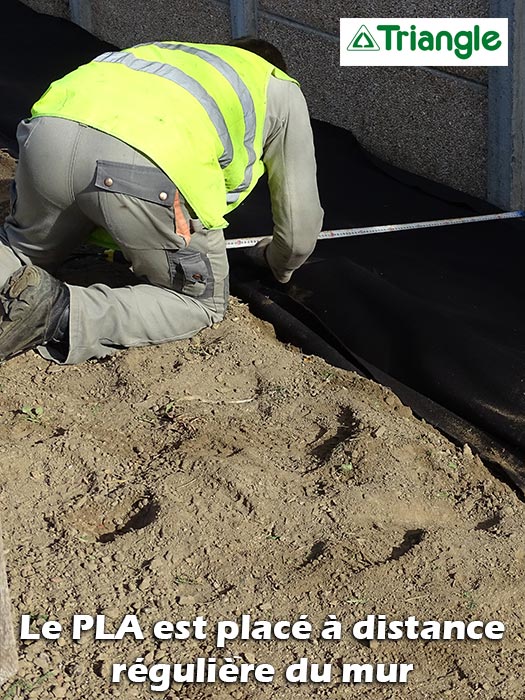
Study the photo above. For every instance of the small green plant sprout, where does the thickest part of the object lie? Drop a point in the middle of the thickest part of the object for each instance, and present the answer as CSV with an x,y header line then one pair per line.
x,y
273,534
453,466
38,617
446,495
149,418
168,410
32,413
469,600
346,468
326,374
26,687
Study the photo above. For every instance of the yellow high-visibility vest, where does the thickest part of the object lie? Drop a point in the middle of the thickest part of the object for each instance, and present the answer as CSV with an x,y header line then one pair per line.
x,y
196,110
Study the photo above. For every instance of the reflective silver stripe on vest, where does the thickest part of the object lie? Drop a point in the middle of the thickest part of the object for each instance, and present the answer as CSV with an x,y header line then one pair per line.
x,y
175,75
246,101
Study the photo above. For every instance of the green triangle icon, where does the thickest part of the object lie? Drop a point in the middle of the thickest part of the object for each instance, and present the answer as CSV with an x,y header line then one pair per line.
x,y
363,41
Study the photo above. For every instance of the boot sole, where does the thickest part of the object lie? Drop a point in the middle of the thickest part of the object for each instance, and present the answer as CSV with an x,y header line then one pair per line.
x,y
24,311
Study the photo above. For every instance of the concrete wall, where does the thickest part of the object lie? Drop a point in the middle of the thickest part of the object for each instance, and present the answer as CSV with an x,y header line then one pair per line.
x,y
431,122
127,22
434,122
59,8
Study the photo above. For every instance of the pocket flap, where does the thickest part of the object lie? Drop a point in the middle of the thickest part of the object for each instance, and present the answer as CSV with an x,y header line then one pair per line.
x,y
190,272
140,181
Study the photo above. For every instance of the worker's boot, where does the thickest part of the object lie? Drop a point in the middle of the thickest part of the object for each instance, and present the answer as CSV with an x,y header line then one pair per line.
x,y
34,310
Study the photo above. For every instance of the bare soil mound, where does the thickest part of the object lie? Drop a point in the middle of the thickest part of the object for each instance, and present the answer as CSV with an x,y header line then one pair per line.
x,y
231,475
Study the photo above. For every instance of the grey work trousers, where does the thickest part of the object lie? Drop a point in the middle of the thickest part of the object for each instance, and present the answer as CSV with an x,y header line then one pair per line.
x,y
71,178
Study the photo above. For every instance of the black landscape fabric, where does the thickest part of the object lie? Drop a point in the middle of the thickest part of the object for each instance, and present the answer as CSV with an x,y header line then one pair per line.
x,y
435,314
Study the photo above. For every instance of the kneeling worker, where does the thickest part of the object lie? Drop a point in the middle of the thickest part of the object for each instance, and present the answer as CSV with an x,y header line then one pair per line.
x,y
156,144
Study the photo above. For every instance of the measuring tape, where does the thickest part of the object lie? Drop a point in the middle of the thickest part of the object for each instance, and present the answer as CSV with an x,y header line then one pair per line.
x,y
346,232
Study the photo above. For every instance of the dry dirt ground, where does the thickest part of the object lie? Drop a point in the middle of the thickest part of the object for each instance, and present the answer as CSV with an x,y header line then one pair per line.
x,y
231,474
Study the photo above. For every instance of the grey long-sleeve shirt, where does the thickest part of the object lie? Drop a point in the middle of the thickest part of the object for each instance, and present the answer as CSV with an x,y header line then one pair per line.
x,y
290,163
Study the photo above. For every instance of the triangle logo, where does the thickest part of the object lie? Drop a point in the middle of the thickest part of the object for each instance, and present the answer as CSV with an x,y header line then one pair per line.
x,y
363,41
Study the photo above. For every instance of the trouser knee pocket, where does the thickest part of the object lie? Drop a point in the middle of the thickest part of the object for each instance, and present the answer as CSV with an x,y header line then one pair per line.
x,y
190,273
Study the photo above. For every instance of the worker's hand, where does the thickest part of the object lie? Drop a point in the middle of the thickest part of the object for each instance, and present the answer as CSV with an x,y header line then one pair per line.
x,y
257,253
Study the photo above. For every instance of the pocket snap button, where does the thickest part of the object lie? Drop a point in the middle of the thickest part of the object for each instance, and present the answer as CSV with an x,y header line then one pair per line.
x,y
108,182
163,196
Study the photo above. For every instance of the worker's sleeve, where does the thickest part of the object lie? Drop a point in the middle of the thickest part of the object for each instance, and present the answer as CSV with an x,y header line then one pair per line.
x,y
290,163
